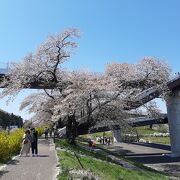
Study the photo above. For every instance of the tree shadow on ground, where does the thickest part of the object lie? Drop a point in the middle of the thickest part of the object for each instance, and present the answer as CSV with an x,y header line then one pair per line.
x,y
152,158
153,145
143,154
118,150
13,162
171,169
3,172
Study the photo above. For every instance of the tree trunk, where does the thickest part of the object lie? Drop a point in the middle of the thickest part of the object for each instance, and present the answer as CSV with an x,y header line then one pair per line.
x,y
71,129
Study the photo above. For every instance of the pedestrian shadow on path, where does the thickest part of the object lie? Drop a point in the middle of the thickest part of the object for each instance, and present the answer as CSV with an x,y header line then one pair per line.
x,y
30,156
42,155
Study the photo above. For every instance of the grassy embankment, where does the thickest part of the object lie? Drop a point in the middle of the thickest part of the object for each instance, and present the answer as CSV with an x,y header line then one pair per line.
x,y
143,132
95,164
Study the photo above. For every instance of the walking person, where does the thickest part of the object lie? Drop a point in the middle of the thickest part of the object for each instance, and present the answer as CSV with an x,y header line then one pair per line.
x,y
34,142
25,149
108,141
50,132
46,132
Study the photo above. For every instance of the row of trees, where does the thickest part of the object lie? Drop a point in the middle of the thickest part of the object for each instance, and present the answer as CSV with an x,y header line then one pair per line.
x,y
7,120
80,96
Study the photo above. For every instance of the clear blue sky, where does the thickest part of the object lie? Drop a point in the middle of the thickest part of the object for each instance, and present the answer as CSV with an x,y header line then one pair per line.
x,y
111,30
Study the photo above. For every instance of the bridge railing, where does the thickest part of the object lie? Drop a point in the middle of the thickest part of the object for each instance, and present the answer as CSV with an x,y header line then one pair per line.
x,y
174,77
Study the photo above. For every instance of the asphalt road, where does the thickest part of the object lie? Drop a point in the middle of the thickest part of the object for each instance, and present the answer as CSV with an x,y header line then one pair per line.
x,y
156,156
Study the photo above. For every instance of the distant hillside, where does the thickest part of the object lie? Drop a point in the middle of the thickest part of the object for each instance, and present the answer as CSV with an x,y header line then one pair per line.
x,y
9,119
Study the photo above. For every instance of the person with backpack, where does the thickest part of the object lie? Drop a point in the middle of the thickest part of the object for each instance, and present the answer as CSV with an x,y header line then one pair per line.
x,y
34,142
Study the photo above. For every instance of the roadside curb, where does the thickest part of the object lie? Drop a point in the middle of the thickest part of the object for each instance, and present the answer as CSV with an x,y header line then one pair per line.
x,y
56,170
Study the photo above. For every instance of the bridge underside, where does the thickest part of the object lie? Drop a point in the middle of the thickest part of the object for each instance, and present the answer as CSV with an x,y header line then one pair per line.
x,y
87,128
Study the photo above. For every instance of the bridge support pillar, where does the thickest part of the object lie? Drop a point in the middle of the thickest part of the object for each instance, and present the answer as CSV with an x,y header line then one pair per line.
x,y
173,109
117,135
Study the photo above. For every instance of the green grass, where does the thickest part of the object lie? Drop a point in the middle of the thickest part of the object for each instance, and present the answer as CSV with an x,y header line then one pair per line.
x,y
103,169
146,130
99,134
78,149
158,140
142,131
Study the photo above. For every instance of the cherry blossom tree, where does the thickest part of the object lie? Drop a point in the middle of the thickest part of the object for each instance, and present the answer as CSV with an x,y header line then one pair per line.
x,y
81,98
92,97
42,69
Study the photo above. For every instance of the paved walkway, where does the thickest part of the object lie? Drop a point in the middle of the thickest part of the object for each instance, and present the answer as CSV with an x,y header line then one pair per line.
x,y
42,167
151,155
